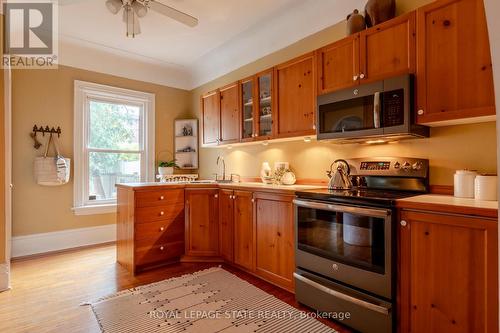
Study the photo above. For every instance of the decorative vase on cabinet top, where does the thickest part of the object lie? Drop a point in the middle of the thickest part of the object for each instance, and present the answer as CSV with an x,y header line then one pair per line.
x,y
355,23
378,11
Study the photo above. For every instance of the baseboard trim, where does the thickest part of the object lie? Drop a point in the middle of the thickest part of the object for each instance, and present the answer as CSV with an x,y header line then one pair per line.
x,y
28,245
4,277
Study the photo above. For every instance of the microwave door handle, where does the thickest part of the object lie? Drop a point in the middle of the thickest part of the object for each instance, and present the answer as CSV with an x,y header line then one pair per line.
x,y
342,209
376,110
367,305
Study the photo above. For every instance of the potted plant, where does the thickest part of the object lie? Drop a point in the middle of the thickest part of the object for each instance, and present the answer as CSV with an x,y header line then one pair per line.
x,y
167,168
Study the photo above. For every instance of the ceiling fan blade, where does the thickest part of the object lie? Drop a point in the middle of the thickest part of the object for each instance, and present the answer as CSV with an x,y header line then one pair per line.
x,y
140,9
173,13
114,6
131,22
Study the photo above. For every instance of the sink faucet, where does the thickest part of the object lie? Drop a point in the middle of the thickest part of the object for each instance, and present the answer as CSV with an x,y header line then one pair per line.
x,y
220,158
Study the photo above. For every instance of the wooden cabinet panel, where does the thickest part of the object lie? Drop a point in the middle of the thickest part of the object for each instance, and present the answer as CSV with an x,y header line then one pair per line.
x,y
226,224
275,259
338,65
159,198
160,231
454,69
297,97
210,108
157,253
388,49
202,222
230,113
448,273
243,230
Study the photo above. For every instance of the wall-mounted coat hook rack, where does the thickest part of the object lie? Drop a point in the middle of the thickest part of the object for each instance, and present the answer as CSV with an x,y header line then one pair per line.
x,y
47,129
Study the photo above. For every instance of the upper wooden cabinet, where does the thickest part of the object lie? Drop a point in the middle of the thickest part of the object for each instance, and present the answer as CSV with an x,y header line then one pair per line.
x,y
202,222
229,114
338,65
388,49
258,107
448,273
296,97
454,70
383,51
210,114
275,239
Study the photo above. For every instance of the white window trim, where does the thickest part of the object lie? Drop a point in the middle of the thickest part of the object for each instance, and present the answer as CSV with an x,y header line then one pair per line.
x,y
84,91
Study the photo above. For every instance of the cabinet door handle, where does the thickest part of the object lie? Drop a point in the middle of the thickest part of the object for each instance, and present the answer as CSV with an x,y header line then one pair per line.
x,y
216,196
162,197
162,229
361,76
403,223
162,248
420,112
355,78
162,213
253,200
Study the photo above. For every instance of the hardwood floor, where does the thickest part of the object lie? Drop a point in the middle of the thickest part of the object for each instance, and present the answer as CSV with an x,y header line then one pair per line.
x,y
47,291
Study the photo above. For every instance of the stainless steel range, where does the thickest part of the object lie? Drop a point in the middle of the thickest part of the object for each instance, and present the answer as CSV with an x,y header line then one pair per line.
x,y
345,240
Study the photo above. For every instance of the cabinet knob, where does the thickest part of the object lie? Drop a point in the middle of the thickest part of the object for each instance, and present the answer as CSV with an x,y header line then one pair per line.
x,y
162,228
162,248
403,223
162,213
420,112
253,200
162,197
355,78
314,127
216,196
361,76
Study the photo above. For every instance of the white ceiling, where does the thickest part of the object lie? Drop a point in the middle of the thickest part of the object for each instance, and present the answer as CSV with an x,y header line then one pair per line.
x,y
230,34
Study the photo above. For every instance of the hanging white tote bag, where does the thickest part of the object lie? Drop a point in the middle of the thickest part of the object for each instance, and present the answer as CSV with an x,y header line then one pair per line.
x,y
52,171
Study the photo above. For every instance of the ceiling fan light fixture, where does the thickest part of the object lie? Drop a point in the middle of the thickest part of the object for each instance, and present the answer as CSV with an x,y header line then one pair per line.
x,y
131,21
114,6
139,9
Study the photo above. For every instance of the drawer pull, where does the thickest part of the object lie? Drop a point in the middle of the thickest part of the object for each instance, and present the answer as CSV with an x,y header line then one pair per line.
x,y
162,213
162,248
162,197
162,229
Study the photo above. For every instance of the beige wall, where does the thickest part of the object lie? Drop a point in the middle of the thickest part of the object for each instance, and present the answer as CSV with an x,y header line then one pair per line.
x,y
449,148
45,97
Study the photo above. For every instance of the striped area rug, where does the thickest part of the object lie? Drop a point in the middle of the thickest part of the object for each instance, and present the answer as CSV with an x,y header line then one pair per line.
x,y
208,301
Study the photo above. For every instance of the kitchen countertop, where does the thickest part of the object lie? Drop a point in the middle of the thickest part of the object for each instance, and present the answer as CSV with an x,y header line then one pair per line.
x,y
287,189
450,204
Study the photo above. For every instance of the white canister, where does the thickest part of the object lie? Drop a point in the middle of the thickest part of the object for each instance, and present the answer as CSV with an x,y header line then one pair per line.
x,y
486,188
464,183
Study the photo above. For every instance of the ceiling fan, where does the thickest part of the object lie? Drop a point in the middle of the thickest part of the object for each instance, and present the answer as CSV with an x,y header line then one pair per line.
x,y
134,9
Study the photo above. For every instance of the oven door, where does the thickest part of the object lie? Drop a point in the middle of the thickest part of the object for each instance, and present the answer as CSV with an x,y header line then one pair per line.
x,y
349,244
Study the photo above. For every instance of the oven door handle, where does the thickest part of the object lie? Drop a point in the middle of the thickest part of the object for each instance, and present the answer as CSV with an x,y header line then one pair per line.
x,y
342,209
367,305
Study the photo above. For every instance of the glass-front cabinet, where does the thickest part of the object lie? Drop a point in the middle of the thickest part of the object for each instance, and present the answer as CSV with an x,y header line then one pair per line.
x,y
257,100
247,108
266,109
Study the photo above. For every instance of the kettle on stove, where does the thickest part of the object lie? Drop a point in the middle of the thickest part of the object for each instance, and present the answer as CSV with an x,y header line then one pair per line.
x,y
340,180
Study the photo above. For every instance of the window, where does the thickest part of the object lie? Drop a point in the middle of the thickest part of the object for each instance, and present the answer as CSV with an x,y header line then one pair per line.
x,y
114,143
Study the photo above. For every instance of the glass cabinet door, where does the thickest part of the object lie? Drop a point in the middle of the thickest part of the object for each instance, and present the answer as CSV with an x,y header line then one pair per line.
x,y
247,109
265,117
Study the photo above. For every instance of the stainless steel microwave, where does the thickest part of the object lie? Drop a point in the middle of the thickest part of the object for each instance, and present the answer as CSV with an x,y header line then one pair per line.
x,y
382,110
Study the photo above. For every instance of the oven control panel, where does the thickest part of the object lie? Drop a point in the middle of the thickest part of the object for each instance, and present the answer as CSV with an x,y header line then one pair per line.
x,y
389,167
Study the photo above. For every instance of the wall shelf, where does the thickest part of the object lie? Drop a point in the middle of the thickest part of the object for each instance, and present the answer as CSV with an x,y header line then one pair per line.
x,y
186,136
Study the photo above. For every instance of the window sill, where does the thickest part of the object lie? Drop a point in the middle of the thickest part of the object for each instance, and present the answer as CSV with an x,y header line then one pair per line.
x,y
95,210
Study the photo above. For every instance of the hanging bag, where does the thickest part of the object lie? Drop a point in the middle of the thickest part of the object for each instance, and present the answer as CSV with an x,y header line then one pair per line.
x,y
52,171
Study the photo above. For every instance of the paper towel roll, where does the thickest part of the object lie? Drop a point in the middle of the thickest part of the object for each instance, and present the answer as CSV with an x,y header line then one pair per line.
x,y
464,183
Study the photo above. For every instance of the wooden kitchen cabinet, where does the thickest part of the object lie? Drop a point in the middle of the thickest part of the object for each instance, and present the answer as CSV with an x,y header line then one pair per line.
x,y
150,226
388,49
210,109
296,82
448,280
226,225
381,52
230,114
202,223
275,251
338,65
454,70
244,251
